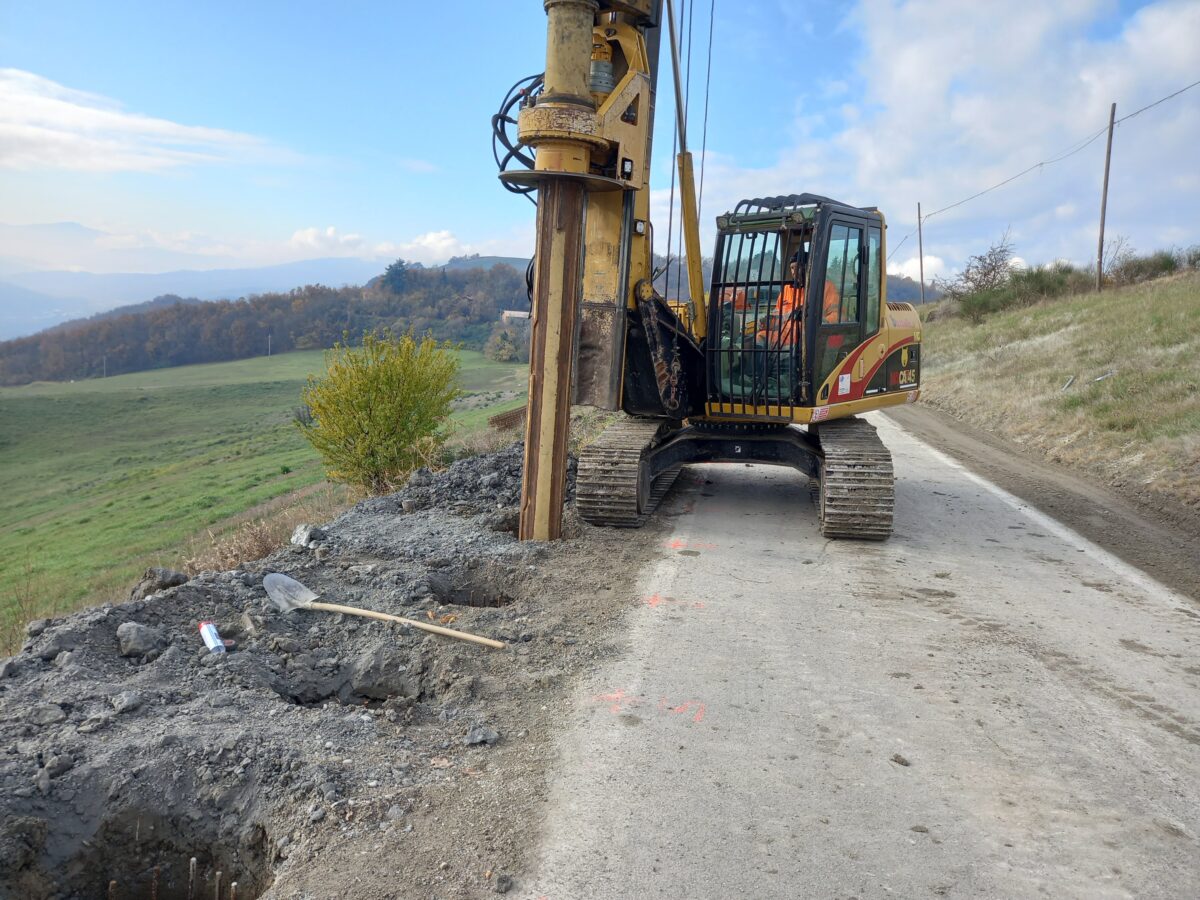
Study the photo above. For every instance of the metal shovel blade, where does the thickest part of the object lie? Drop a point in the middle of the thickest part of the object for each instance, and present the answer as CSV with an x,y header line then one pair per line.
x,y
287,593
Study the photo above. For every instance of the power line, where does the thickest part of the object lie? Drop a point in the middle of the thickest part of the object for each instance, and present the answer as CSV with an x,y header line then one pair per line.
x,y
1070,151
1156,102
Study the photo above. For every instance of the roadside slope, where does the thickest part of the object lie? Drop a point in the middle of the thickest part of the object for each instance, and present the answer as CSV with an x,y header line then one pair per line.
x,y
1130,414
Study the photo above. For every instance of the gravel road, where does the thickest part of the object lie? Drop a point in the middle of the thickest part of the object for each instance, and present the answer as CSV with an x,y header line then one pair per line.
x,y
986,705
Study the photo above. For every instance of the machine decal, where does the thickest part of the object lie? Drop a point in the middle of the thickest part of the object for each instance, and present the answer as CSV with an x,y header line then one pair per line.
x,y
879,377
844,383
820,414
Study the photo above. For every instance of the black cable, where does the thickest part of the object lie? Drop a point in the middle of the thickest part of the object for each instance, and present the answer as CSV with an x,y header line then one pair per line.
x,y
1156,102
521,92
1070,151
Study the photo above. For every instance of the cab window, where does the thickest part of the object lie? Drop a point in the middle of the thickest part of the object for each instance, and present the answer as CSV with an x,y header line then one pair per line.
x,y
874,280
840,304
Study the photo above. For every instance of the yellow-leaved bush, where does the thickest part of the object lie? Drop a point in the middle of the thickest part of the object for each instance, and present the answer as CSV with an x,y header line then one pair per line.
x,y
380,410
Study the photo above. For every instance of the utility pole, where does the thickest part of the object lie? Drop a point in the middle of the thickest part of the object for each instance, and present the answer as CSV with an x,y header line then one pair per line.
x,y
105,375
268,344
921,251
1112,116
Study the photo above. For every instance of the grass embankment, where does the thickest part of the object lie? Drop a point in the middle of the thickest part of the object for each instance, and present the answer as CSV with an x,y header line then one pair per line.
x,y
1132,414
100,479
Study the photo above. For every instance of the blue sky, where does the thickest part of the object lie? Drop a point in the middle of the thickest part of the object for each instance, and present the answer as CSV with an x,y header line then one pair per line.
x,y
212,134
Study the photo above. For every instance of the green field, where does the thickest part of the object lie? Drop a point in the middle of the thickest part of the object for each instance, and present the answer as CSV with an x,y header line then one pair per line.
x,y
100,479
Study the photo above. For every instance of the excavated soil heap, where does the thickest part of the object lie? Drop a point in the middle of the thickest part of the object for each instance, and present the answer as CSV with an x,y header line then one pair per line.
x,y
127,749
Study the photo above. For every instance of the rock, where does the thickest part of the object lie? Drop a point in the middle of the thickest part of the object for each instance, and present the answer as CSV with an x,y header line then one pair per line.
x,y
8,668
503,883
481,734
46,714
155,580
420,478
304,535
900,760
317,814
42,781
139,640
36,627
218,699
503,520
126,701
94,723
381,673
251,625
59,764
395,811
57,643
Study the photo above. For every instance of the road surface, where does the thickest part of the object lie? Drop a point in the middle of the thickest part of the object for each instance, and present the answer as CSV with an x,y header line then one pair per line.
x,y
986,705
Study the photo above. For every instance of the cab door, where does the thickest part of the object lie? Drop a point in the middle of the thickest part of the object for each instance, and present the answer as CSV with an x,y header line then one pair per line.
x,y
838,302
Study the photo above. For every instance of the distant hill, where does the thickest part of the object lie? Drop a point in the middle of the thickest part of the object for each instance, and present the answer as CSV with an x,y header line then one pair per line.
x,y
460,305
905,290
33,301
105,290
132,309
475,261
23,311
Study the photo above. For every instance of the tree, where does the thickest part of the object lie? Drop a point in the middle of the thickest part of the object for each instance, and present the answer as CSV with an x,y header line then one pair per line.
x,y
986,272
395,277
379,411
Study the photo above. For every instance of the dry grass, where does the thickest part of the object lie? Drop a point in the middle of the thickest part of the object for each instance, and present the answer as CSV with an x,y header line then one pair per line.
x,y
1132,413
260,531
26,601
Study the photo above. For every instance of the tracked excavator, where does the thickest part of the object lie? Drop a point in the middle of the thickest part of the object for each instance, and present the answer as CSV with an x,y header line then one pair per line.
x,y
775,362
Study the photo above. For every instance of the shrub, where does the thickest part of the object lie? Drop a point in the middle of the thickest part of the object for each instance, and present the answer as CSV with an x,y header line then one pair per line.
x,y
378,413
1135,269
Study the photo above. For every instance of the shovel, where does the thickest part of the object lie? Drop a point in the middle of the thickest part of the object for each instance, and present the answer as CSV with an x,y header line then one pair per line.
x,y
288,594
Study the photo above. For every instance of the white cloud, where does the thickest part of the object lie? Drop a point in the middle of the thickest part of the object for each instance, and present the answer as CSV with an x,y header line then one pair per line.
x,y
44,125
956,97
327,242
935,266
74,247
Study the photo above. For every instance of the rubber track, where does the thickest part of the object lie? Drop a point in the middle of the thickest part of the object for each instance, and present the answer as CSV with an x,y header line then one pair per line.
x,y
606,484
858,487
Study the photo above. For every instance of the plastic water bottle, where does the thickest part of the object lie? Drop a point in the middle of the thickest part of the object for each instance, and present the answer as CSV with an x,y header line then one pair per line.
x,y
212,637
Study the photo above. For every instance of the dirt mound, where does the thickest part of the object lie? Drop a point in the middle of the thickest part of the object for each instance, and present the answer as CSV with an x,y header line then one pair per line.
x,y
471,486
130,750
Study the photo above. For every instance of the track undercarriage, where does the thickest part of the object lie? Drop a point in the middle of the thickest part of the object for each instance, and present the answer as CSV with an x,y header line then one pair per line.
x,y
631,466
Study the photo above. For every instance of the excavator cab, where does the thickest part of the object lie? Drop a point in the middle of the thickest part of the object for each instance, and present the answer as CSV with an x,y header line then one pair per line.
x,y
780,334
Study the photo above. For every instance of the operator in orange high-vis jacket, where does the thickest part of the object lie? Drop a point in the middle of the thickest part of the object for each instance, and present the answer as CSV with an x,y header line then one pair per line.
x,y
783,325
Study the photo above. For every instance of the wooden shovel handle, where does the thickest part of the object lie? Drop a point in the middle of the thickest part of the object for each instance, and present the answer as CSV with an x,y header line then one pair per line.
x,y
424,626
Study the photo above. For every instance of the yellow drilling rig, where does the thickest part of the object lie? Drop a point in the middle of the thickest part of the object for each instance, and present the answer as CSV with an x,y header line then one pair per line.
x,y
793,338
